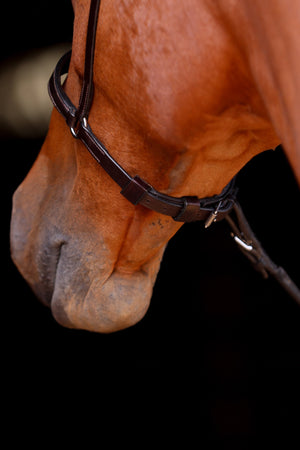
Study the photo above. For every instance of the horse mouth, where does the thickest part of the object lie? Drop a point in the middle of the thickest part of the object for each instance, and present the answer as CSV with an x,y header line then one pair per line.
x,y
80,292
41,280
48,267
74,273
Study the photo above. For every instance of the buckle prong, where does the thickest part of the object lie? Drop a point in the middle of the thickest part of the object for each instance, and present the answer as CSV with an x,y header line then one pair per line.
x,y
213,216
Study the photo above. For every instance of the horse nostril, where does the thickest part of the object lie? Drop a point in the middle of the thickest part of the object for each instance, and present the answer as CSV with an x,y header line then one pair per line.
x,y
37,260
47,270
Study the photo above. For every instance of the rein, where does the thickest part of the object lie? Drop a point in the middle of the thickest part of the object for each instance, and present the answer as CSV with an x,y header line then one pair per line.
x,y
139,191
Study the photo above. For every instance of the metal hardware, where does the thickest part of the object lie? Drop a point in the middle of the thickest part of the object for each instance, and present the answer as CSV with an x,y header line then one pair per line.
x,y
213,216
243,244
75,133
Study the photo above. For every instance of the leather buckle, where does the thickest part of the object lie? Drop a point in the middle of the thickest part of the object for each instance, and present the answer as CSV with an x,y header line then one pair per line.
x,y
190,212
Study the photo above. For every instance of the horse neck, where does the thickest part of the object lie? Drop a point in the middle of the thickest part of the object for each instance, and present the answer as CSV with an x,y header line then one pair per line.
x,y
268,33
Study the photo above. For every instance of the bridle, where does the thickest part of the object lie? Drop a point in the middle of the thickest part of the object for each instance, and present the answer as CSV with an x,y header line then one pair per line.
x,y
135,189
139,191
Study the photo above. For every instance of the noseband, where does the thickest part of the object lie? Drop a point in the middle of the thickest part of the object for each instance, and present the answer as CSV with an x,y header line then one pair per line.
x,y
139,191
135,189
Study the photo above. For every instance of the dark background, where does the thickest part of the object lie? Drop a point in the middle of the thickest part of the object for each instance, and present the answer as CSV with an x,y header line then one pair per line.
x,y
217,339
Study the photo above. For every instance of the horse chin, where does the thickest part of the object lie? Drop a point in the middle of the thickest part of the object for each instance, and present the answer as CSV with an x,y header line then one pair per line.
x,y
91,294
117,303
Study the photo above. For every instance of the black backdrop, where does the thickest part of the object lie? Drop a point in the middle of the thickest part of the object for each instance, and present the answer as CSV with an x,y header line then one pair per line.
x,y
226,340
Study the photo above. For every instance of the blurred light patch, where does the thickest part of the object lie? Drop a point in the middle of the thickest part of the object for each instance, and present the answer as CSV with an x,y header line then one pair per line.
x,y
25,105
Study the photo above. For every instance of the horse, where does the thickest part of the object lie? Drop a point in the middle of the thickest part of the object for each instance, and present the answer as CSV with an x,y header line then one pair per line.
x,y
184,95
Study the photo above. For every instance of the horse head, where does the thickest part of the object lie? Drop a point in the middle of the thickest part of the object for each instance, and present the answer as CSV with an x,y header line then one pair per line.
x,y
176,101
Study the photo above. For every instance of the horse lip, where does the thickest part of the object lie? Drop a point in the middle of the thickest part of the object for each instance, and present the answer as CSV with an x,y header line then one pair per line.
x,y
49,275
44,287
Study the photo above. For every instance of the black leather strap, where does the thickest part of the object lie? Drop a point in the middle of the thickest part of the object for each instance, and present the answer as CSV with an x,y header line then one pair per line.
x,y
86,96
251,247
136,190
